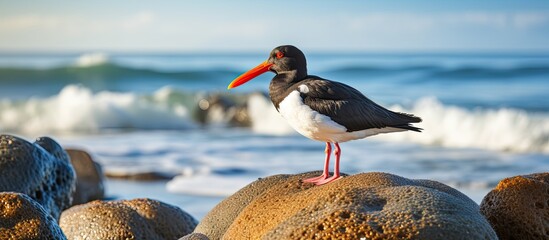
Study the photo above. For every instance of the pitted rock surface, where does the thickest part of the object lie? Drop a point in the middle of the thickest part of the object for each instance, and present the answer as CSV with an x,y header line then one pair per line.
x,y
126,219
195,236
23,218
218,220
518,208
89,177
41,170
368,205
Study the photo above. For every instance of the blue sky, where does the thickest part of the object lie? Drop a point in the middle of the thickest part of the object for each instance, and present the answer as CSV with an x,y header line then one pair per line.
x,y
237,25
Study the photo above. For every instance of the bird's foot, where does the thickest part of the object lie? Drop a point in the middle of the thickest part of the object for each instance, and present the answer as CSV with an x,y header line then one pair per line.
x,y
316,179
327,180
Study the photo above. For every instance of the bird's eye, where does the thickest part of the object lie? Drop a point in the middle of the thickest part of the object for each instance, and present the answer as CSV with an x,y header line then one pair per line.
x,y
279,55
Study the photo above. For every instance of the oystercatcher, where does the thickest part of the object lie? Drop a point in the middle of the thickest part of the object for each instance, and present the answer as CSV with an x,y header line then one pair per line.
x,y
322,109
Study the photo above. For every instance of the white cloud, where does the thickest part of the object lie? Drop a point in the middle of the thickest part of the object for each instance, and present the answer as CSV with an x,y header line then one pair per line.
x,y
486,19
516,20
389,22
63,23
419,22
138,21
25,22
528,20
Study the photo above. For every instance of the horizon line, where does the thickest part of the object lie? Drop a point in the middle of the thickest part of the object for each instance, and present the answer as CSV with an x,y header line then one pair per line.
x,y
315,51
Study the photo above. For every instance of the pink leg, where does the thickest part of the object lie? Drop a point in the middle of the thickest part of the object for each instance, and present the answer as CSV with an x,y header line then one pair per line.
x,y
326,172
336,175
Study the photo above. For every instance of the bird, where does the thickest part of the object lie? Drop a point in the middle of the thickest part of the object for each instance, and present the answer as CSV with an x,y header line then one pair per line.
x,y
322,109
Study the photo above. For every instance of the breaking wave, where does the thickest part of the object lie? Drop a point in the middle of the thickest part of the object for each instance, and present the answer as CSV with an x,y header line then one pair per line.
x,y
91,59
77,109
503,129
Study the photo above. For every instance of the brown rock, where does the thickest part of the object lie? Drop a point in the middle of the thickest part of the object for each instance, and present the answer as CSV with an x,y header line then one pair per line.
x,y
140,176
368,205
41,170
89,177
218,220
23,218
126,219
195,236
518,208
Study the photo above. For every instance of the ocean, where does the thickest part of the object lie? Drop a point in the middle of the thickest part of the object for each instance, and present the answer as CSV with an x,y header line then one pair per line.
x,y
485,117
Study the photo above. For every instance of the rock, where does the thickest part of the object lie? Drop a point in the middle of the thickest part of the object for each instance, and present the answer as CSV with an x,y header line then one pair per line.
x,y
218,220
41,170
518,208
23,218
195,236
368,205
126,219
141,176
216,109
89,177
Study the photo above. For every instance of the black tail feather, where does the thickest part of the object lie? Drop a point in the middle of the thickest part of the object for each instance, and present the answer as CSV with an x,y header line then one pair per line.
x,y
407,120
409,127
409,117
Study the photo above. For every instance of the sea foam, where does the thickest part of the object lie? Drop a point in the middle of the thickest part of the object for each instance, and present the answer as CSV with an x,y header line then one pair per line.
x,y
78,109
265,118
91,59
503,129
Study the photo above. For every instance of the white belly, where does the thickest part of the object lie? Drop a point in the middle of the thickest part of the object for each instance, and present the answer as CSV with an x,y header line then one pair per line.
x,y
314,125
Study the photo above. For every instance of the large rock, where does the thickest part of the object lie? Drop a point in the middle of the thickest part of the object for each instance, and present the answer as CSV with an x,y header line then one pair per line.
x,y
368,205
89,177
23,218
518,208
126,219
195,236
41,170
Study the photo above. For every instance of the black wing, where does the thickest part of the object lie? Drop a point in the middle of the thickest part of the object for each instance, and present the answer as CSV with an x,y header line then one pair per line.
x,y
350,108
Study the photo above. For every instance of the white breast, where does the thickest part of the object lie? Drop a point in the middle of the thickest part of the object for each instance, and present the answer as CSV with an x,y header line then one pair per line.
x,y
314,125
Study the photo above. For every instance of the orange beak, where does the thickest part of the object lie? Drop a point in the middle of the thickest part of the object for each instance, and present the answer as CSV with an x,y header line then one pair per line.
x,y
251,74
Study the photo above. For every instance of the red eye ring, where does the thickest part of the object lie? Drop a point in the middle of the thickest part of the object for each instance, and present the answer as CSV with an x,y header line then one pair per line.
x,y
279,55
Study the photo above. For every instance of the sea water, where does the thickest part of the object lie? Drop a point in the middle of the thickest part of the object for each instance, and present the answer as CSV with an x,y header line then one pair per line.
x,y
485,117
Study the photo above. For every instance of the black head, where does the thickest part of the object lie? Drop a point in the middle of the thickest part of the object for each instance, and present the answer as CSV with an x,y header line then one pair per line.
x,y
288,58
286,61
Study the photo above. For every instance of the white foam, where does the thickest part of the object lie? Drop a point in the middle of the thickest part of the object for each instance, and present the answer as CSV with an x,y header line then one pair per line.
x,y
77,109
503,129
91,59
265,119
